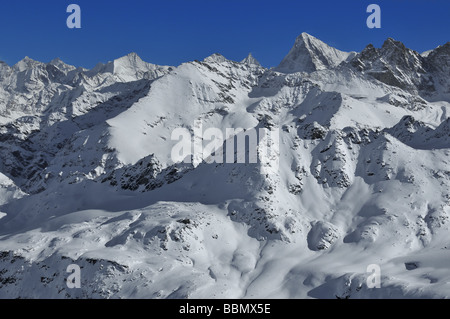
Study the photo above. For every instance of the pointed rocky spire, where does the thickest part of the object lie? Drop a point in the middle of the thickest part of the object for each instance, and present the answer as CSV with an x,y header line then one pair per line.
x,y
309,54
250,60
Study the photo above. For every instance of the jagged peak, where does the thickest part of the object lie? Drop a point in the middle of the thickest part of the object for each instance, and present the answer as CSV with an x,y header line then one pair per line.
x,y
310,41
442,49
368,52
369,47
392,43
307,37
60,64
27,59
101,68
310,54
131,60
129,68
26,63
250,60
215,57
56,61
392,52
132,57
134,61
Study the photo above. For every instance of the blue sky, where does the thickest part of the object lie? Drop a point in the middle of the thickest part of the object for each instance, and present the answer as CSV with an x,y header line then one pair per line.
x,y
174,31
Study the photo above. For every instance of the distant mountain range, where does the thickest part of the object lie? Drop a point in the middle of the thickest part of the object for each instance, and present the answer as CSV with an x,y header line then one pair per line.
x,y
87,178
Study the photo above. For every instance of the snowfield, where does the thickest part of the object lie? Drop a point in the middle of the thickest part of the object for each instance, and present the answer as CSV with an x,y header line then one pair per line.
x,y
87,177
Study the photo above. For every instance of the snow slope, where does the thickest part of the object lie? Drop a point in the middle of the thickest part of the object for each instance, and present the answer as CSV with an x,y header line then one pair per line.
x,y
87,177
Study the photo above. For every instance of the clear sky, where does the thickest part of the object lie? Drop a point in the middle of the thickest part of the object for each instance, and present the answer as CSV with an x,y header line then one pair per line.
x,y
170,32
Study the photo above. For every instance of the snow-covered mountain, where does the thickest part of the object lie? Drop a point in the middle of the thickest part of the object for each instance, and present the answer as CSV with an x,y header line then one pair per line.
x,y
87,177
310,54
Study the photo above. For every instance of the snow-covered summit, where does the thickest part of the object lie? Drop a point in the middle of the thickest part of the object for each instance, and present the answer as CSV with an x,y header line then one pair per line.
x,y
309,54
25,64
215,57
250,60
61,65
129,68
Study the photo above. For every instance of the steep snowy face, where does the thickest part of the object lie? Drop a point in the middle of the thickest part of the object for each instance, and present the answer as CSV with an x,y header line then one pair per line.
x,y
310,54
43,106
214,92
87,176
129,68
33,88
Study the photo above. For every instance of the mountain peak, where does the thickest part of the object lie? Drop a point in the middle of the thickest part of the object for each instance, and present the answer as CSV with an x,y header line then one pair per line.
x,y
442,49
305,36
250,60
310,54
56,61
215,57
27,59
130,57
129,61
307,40
25,63
60,64
440,59
391,43
130,67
